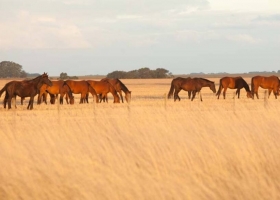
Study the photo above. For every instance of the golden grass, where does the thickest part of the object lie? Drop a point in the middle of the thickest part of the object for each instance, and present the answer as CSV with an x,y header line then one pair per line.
x,y
151,149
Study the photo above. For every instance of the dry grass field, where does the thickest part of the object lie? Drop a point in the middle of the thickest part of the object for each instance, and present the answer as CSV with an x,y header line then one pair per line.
x,y
152,148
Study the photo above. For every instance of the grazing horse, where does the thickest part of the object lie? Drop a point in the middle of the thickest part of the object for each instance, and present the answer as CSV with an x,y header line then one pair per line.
x,y
233,83
83,88
192,85
272,83
104,87
58,87
119,87
27,88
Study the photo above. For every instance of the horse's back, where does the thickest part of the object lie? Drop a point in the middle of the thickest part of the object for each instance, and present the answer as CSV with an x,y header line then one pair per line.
x,y
227,82
100,86
77,86
269,82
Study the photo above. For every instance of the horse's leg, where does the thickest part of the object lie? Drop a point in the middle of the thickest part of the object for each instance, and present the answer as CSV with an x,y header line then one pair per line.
x,y
237,93
45,95
30,104
275,92
224,92
256,88
221,88
189,94
9,102
200,95
6,99
61,98
176,96
106,98
66,98
83,96
21,100
120,92
15,101
39,98
86,99
100,98
193,94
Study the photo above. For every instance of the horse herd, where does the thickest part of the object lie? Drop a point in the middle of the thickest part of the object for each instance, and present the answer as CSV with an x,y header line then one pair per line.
x,y
42,86
194,85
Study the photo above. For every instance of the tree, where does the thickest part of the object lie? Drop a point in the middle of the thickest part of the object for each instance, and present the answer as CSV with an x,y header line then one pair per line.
x,y
11,69
63,75
161,73
141,73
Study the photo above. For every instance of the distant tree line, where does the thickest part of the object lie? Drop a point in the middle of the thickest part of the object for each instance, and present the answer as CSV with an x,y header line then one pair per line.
x,y
10,69
141,73
64,76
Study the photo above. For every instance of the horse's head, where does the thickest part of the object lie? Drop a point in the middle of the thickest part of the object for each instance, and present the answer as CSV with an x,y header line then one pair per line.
x,y
116,98
249,95
128,96
45,79
213,87
72,100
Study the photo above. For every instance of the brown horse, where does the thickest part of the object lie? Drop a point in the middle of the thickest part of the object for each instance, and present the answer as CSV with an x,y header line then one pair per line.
x,y
83,88
27,88
119,87
233,83
272,83
191,85
104,87
58,87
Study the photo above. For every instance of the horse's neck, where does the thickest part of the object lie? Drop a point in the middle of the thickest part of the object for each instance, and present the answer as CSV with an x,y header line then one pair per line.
x,y
206,84
246,86
38,84
123,87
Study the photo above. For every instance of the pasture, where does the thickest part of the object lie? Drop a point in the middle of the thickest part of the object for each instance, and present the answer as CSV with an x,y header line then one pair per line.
x,y
152,148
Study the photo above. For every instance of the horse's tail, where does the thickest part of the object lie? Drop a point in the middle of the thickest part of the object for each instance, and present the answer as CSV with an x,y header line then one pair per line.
x,y
171,91
69,92
220,88
114,93
3,90
252,87
93,92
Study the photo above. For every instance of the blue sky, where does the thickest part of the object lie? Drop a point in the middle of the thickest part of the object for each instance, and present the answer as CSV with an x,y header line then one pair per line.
x,y
82,37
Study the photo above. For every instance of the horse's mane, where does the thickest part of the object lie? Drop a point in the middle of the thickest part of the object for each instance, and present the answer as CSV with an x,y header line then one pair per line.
x,y
122,85
38,77
245,84
204,79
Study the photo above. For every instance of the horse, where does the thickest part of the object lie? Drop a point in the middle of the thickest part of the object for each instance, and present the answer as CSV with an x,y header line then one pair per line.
x,y
272,83
58,87
26,88
119,87
83,88
104,87
233,83
191,85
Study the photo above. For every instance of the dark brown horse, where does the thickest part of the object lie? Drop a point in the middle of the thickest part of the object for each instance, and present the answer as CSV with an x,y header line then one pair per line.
x,y
271,83
191,85
27,88
104,87
83,88
233,83
119,87
59,87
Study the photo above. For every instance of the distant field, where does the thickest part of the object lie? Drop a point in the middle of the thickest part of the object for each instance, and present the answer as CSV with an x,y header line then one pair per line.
x,y
152,148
